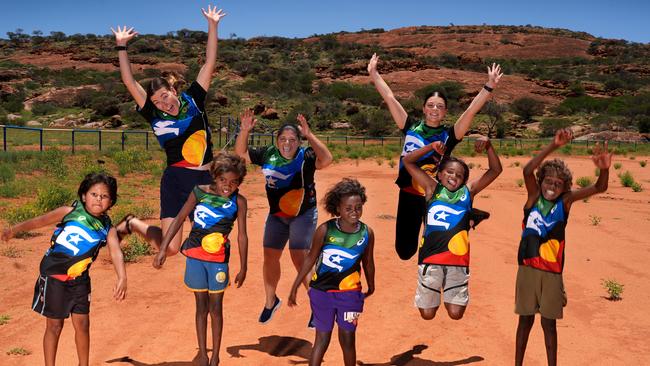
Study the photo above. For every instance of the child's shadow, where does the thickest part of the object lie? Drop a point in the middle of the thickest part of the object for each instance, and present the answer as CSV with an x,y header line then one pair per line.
x,y
277,346
127,359
407,359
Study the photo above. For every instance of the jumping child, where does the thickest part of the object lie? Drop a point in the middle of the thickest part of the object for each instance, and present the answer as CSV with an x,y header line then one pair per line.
x,y
63,286
341,245
216,207
444,250
540,288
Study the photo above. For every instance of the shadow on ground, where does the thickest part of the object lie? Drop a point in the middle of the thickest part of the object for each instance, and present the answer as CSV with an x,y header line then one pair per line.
x,y
408,359
276,346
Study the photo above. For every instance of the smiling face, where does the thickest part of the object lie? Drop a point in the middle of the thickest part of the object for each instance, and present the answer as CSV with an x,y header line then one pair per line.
x,y
166,101
288,143
350,210
226,183
434,110
552,187
452,175
97,199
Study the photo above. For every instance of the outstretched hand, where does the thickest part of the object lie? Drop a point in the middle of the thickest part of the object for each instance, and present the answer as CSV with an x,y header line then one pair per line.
x,y
304,126
494,75
372,64
602,158
562,137
213,15
482,144
123,35
159,260
248,120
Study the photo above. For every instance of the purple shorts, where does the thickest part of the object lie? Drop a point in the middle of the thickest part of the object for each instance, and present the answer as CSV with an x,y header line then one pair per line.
x,y
344,306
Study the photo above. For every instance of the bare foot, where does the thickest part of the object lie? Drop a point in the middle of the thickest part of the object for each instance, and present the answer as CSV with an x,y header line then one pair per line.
x,y
214,361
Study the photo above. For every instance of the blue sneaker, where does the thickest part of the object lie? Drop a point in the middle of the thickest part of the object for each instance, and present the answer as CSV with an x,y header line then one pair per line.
x,y
267,314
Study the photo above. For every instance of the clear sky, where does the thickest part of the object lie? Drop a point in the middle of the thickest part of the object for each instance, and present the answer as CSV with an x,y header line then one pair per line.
x,y
622,19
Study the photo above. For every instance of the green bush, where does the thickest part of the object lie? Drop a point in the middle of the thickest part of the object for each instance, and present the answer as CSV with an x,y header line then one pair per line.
x,y
526,108
6,174
614,289
20,214
584,181
364,94
627,179
136,248
550,125
52,162
53,196
11,189
636,187
41,109
129,161
452,90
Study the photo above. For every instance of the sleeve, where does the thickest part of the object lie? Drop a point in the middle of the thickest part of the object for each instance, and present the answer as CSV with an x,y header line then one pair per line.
x,y
410,121
310,158
452,141
197,93
258,154
147,111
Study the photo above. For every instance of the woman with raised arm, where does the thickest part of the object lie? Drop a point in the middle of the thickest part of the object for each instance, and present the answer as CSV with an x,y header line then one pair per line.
x,y
181,126
289,171
419,133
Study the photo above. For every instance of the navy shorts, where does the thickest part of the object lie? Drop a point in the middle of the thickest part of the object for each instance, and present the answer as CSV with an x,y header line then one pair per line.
x,y
202,276
298,230
57,299
176,185
343,306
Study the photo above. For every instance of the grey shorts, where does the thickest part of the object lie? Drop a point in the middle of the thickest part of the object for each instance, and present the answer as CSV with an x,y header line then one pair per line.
x,y
299,230
435,280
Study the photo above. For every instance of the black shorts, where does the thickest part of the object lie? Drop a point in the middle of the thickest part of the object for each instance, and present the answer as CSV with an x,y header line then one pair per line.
x,y
57,299
176,185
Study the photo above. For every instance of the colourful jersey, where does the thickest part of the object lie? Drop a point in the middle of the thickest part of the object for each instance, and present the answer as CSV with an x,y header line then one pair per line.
x,y
75,244
214,217
445,241
186,137
339,265
290,186
542,239
416,135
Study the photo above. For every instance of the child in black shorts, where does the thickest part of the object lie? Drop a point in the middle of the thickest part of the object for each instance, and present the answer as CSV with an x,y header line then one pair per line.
x,y
63,286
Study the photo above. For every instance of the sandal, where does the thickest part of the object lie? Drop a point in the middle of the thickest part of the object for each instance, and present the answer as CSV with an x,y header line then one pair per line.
x,y
476,216
126,220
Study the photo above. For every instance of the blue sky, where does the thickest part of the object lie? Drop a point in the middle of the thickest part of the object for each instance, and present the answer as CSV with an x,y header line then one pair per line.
x,y
623,19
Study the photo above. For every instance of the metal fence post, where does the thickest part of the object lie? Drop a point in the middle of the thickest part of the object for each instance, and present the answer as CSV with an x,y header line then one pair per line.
x,y
4,138
73,141
146,140
41,138
99,136
123,140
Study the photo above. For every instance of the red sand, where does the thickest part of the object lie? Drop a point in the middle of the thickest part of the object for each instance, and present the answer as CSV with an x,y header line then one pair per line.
x,y
155,325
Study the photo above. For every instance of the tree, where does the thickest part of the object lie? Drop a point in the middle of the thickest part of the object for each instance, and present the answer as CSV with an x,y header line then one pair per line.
x,y
495,112
526,108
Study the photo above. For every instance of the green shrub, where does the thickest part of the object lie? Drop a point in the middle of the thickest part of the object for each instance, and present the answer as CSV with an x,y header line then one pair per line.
x,y
41,109
11,189
52,162
50,197
136,248
526,108
636,187
550,125
6,174
627,180
129,161
4,319
643,163
614,289
595,220
617,166
18,351
20,214
584,181
520,182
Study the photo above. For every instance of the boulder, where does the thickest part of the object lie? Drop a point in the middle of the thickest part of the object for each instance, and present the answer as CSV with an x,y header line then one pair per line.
x,y
270,113
33,123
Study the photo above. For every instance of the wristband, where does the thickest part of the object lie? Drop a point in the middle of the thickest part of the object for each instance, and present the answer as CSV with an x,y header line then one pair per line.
x,y
120,48
484,87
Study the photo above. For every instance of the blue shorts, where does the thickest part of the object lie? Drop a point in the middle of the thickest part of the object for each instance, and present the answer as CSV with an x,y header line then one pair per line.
x,y
344,306
201,276
176,185
298,230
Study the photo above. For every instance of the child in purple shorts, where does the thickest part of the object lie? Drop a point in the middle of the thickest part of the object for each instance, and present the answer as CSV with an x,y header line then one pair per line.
x,y
341,246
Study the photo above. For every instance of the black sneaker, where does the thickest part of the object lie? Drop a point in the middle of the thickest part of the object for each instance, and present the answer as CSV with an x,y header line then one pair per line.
x,y
476,216
267,314
310,324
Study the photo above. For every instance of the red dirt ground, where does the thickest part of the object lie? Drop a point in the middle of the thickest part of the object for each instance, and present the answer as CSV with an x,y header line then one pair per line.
x,y
155,324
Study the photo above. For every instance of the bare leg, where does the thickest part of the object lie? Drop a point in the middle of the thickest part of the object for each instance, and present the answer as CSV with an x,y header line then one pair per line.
x,y
320,347
53,328
201,318
216,317
347,340
81,324
523,331
455,311
154,234
298,257
429,313
272,273
550,340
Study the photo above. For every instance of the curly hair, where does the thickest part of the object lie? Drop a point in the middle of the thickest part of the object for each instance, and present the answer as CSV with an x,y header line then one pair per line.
x,y
446,160
99,178
346,187
225,162
558,168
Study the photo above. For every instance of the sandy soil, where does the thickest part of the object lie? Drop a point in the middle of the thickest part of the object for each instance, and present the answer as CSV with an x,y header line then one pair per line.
x,y
155,325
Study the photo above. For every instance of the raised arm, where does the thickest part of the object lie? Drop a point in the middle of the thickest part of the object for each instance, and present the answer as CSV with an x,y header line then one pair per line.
x,y
562,137
602,159
308,264
205,74
49,218
465,120
395,108
323,155
176,224
122,37
248,122
117,257
242,239
422,178
494,166
368,263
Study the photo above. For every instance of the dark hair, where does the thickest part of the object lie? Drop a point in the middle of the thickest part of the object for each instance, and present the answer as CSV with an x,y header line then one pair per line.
x,y
557,167
225,162
289,126
346,187
446,160
169,80
94,178
435,93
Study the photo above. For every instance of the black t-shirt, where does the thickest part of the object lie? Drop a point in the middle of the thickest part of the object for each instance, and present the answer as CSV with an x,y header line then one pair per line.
x,y
186,137
290,186
418,134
